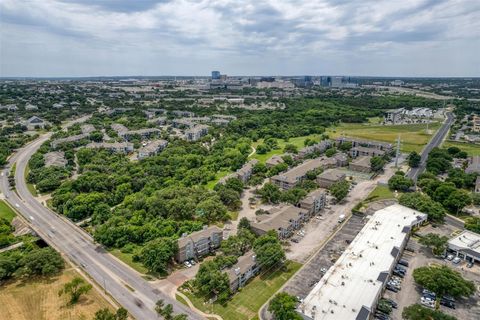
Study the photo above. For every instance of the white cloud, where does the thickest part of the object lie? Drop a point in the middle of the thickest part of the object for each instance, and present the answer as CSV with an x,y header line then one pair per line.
x,y
86,37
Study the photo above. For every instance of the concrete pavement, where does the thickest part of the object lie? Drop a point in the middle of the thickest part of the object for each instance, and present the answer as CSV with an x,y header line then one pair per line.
x,y
434,142
125,285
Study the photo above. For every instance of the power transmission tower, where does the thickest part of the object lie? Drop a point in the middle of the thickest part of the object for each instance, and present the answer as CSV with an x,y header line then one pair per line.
x,y
398,151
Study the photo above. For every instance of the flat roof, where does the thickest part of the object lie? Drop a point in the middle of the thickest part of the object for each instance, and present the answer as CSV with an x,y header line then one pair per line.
x,y
467,241
354,282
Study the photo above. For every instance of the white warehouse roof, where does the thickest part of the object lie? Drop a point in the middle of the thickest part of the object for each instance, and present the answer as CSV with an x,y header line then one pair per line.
x,y
467,242
352,286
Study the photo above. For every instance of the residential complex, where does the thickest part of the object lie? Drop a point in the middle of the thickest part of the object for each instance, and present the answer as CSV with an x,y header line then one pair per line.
x,y
242,271
283,219
314,201
199,243
473,165
350,289
118,147
244,173
361,164
327,178
152,148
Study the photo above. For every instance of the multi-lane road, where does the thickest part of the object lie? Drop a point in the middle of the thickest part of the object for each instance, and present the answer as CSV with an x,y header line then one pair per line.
x,y
434,142
125,285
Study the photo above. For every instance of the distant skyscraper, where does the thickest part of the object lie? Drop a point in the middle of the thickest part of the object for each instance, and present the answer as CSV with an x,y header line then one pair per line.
x,y
216,75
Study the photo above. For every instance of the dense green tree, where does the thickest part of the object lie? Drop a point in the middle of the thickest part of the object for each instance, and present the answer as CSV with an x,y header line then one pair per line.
x,y
436,242
457,200
106,314
290,148
42,262
443,281
268,250
330,152
377,163
157,253
283,306
210,281
424,204
400,183
414,159
339,190
472,224
244,223
75,289
419,312
270,193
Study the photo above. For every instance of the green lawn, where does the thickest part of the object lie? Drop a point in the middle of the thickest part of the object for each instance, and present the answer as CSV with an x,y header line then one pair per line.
x,y
6,211
30,186
380,193
245,304
470,148
297,141
413,136
219,175
128,259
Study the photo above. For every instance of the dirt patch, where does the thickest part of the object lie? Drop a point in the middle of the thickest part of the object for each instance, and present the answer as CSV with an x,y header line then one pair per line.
x,y
39,300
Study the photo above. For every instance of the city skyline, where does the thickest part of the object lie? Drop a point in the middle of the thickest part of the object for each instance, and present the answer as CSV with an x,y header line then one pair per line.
x,y
84,38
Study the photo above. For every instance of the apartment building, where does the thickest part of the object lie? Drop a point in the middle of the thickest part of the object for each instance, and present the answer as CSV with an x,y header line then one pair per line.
x,y
159,121
199,243
55,159
394,115
273,161
283,219
314,201
366,152
117,147
55,143
329,177
195,133
245,269
142,133
361,164
152,148
387,147
244,173
473,165
319,147
289,179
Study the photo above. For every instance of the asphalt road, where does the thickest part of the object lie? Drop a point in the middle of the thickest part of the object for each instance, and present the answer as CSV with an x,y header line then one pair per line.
x,y
124,284
434,142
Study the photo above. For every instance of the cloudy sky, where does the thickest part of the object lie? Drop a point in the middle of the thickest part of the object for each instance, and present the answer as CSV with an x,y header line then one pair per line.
x,y
240,37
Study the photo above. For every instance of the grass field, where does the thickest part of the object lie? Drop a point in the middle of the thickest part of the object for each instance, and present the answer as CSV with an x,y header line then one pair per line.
x,y
297,141
6,212
39,300
218,176
245,304
30,186
128,259
380,193
413,136
470,148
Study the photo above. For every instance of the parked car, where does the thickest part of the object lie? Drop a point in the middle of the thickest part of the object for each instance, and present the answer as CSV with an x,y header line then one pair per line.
x,y
392,303
192,262
447,303
399,274
450,257
403,262
456,260
427,302
470,264
391,288
187,264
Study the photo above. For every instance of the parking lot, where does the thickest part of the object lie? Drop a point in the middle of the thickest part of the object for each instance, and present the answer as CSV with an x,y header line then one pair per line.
x,y
411,293
301,284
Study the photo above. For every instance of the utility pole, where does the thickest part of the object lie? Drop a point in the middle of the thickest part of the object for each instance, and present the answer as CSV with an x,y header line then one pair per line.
x,y
398,151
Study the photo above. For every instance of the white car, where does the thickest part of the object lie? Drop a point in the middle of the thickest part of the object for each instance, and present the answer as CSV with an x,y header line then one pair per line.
x,y
450,257
427,302
187,264
456,260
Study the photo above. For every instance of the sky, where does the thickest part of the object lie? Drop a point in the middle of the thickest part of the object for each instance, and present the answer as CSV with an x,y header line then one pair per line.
x,y
63,38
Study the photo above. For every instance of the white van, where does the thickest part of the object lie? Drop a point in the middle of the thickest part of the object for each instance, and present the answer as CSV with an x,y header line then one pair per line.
x,y
341,218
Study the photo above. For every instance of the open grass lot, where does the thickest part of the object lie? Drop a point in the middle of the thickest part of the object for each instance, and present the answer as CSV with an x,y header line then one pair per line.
x,y
39,300
219,175
297,141
413,136
380,193
470,148
245,304
6,212
127,258
30,186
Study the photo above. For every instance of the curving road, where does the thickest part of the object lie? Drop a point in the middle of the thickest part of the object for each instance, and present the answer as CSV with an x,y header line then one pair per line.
x,y
434,142
125,285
